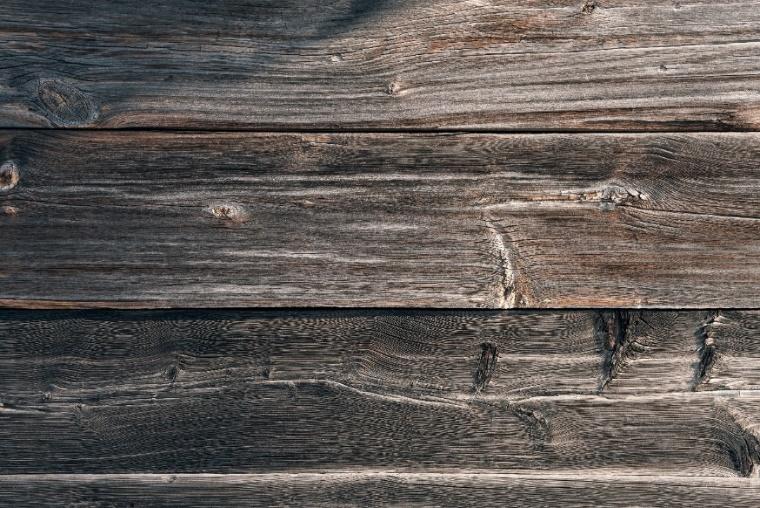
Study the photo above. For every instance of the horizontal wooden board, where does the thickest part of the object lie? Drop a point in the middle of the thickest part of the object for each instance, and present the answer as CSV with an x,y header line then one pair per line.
x,y
528,65
437,353
150,219
267,391
376,489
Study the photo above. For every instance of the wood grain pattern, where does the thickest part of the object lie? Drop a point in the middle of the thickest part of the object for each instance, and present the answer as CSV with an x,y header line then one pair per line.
x,y
358,64
268,391
376,489
152,219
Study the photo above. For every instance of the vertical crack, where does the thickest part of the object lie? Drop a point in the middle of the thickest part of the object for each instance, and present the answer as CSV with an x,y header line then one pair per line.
x,y
739,439
613,338
708,350
486,366
507,296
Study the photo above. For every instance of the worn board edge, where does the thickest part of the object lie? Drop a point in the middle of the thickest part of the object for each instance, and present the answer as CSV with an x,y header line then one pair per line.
x,y
376,488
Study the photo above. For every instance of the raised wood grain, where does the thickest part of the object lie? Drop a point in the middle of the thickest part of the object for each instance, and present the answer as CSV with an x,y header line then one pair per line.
x,y
148,219
376,489
358,64
267,391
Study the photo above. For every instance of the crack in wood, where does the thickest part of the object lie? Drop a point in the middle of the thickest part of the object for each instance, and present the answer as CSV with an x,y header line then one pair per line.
x,y
708,350
536,424
486,366
506,297
612,335
740,440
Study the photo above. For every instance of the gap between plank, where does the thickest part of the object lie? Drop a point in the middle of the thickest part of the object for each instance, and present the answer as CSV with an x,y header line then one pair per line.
x,y
386,130
573,476
127,306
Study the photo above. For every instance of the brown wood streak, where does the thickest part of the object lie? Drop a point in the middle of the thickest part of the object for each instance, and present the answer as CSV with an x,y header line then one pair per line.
x,y
147,219
376,489
348,64
309,390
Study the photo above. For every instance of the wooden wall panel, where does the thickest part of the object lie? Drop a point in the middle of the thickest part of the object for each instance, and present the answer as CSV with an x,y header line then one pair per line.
x,y
266,391
315,212
359,64
149,219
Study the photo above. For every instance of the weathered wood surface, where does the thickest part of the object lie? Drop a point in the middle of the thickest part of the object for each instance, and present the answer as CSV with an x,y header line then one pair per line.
x,y
376,489
266,391
153,219
529,65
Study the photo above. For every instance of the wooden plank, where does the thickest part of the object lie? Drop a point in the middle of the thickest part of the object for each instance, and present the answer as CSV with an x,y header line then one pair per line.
x,y
442,354
376,489
529,65
151,219
268,391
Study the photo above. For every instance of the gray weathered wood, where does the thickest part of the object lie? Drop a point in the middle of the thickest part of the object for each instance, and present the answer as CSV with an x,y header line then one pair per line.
x,y
534,64
516,354
152,219
376,489
266,391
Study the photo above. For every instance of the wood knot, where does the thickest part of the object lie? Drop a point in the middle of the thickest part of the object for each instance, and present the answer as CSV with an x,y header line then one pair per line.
x,y
230,213
172,373
614,195
174,370
9,175
64,104
393,88
588,7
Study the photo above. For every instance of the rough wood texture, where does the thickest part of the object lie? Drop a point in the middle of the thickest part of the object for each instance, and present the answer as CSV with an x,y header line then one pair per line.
x,y
376,220
376,489
266,391
534,64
